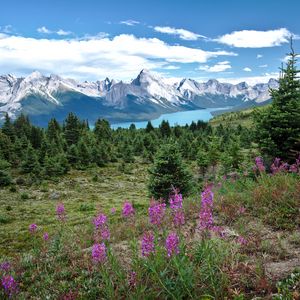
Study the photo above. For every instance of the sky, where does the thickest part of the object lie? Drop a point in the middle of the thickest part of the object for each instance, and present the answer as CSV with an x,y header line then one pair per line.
x,y
90,40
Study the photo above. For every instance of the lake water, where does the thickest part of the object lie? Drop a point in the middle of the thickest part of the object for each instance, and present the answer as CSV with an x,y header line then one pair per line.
x,y
178,118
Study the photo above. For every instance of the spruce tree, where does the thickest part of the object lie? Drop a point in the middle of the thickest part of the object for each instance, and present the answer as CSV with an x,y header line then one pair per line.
x,y
31,163
168,172
278,126
5,177
72,129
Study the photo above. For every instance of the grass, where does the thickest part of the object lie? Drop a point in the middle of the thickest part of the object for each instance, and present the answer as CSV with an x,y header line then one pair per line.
x,y
263,210
244,118
81,194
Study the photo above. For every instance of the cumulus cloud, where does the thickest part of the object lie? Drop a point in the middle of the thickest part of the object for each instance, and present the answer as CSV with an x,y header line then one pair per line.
x,y
247,69
219,67
258,56
263,66
45,30
171,67
130,22
182,33
120,57
255,38
63,32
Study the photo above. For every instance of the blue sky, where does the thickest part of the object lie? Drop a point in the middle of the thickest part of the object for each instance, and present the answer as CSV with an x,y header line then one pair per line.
x,y
89,40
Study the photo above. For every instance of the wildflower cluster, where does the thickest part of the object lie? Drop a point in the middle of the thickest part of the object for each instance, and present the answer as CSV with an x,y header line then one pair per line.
x,y
99,253
127,210
32,228
206,215
147,244
177,210
9,285
101,226
60,212
156,212
172,244
259,164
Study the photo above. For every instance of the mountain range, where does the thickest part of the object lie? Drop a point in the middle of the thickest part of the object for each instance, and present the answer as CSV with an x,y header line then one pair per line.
x,y
144,98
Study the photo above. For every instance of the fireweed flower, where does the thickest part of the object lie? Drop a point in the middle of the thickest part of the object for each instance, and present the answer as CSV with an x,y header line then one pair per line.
x,y
132,279
99,253
113,210
241,240
259,164
105,234
156,212
172,244
46,236
178,218
205,216
10,286
147,244
100,221
176,201
5,266
32,228
127,210
60,212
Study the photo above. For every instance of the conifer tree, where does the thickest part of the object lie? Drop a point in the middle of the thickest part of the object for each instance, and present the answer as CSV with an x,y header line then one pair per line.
x,y
278,126
5,177
30,164
168,172
72,128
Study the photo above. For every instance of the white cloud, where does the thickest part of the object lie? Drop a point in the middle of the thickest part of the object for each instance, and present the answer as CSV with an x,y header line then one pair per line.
x,y
44,29
130,22
252,80
63,32
121,57
6,29
258,56
182,33
219,67
263,66
255,38
171,67
247,69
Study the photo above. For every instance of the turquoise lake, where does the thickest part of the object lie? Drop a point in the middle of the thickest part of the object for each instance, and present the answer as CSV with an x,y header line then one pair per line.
x,y
178,118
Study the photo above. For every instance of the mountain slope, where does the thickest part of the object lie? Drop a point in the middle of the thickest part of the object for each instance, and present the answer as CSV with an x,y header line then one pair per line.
x,y
145,97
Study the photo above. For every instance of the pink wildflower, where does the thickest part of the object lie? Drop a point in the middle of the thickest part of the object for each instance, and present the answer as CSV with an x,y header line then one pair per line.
x,y
172,244
10,285
60,212
100,221
206,217
99,253
113,210
127,210
147,244
46,236
32,228
156,212
178,218
176,201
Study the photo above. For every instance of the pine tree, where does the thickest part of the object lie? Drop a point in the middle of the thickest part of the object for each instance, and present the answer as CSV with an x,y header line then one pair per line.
x,y
202,161
149,127
31,163
8,128
5,177
72,129
72,155
168,172
165,128
278,126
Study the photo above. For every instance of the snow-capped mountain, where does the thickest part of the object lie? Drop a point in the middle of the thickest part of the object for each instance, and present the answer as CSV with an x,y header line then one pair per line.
x,y
148,95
